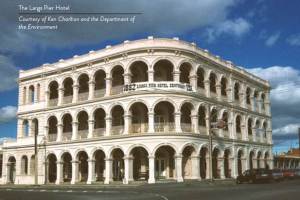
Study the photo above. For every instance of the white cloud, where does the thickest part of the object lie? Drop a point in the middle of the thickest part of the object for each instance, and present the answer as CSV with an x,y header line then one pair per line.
x,y
8,75
236,28
285,100
288,129
7,114
294,40
5,138
272,39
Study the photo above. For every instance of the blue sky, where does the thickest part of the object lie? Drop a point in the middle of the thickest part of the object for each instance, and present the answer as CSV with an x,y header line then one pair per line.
x,y
260,35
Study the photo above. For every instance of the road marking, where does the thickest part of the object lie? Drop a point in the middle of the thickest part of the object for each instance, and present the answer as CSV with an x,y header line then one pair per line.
x,y
161,196
70,191
42,190
55,190
84,191
99,191
8,189
30,190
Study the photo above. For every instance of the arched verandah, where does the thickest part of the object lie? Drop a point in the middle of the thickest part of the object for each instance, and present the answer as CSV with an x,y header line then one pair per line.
x,y
66,159
140,163
139,117
163,71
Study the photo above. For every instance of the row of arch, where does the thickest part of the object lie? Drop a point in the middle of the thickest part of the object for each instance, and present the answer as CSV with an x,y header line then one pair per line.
x,y
139,164
138,71
165,117
31,94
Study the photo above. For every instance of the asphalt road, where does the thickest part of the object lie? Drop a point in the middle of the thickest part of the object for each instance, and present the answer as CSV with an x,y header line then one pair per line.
x,y
287,190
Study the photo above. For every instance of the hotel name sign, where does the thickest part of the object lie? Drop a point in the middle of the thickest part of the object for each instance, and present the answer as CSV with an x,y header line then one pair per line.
x,y
163,85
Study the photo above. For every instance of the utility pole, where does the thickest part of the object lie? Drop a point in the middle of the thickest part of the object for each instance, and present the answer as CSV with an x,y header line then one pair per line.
x,y
35,158
210,144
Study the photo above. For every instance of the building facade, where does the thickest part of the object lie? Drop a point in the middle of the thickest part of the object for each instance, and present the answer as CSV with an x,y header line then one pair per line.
x,y
288,160
139,110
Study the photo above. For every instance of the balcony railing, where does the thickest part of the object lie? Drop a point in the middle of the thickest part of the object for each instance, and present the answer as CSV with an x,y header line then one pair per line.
x,y
117,130
53,102
99,93
164,127
99,132
139,128
201,90
186,127
83,96
226,134
52,137
249,106
67,99
213,95
250,138
82,134
117,89
202,130
224,98
67,136
239,136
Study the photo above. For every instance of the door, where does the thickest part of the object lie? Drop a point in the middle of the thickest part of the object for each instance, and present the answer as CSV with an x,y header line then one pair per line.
x,y
12,173
160,168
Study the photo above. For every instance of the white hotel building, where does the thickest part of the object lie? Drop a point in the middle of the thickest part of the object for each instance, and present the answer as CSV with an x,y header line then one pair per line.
x,y
138,111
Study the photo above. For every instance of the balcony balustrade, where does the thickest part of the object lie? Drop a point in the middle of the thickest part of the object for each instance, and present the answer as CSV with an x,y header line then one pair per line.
x,y
117,89
53,102
83,96
52,137
82,134
239,136
99,132
67,136
99,93
139,128
164,127
117,130
186,127
67,99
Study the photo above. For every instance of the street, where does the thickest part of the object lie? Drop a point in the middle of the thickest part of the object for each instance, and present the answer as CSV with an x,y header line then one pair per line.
x,y
164,191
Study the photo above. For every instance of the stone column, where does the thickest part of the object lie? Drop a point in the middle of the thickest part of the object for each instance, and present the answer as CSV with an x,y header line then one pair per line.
x,y
268,104
127,78
31,128
252,104
177,122
60,96
59,132
74,172
28,97
151,122
108,170
108,83
91,171
232,167
46,129
151,169
207,87
221,167
20,128
235,167
47,96
108,121
75,93
74,130
127,123
176,76
91,90
91,128
208,167
59,173
219,94
128,165
178,165
195,167
195,125
150,76
193,82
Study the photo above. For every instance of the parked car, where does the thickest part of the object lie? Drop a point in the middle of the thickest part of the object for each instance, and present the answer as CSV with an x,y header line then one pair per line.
x,y
277,175
288,174
254,176
297,173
